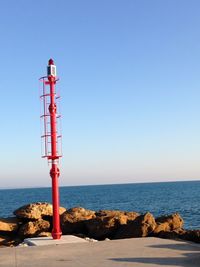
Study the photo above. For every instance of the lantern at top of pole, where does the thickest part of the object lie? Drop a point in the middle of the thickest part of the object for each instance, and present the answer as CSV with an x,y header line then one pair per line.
x,y
51,68
51,137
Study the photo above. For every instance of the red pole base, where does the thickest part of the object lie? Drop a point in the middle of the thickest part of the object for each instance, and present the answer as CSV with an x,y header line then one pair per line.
x,y
56,235
56,232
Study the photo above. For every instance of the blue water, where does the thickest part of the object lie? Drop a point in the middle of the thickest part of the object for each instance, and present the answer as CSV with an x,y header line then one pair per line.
x,y
158,198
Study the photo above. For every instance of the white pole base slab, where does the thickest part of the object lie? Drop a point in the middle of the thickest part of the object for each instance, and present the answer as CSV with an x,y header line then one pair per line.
x,y
43,241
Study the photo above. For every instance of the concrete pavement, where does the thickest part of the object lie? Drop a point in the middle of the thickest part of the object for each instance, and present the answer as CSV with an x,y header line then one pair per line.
x,y
140,252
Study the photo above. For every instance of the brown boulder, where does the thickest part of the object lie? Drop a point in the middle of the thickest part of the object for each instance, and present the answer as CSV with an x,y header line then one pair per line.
x,y
36,211
9,241
131,215
122,216
4,240
9,224
192,235
142,226
175,234
168,223
73,220
189,235
34,228
107,222
44,234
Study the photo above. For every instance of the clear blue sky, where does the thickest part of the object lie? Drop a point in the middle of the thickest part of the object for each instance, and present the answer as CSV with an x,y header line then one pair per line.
x,y
130,85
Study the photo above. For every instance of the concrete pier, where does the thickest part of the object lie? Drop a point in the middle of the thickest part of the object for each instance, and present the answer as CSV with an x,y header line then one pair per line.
x,y
140,252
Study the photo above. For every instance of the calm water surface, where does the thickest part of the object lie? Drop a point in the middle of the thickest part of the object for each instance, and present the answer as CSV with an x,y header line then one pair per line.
x,y
158,198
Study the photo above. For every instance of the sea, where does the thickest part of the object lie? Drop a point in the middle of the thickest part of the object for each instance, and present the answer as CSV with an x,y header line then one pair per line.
x,y
158,198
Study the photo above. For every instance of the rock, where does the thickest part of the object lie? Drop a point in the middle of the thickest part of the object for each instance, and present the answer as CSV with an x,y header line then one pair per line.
x,y
107,222
34,228
36,211
9,241
192,235
4,240
90,239
44,234
142,226
73,220
175,234
131,215
9,224
189,235
101,227
168,223
23,244
122,216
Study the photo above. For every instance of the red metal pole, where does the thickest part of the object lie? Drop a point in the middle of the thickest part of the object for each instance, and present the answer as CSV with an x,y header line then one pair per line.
x,y
54,172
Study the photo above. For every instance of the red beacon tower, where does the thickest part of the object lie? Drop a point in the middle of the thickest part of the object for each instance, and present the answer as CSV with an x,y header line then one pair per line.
x,y
51,137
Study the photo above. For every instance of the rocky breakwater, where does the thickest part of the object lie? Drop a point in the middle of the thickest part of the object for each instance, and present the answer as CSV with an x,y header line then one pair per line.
x,y
31,220
35,220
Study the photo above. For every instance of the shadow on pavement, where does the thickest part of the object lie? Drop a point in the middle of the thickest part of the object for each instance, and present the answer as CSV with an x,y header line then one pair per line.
x,y
180,246
189,260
